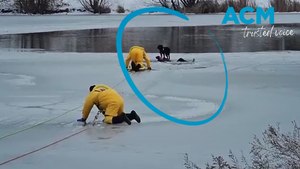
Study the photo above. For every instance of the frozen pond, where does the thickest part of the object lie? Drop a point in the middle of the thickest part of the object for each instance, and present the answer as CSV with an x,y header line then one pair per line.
x,y
192,39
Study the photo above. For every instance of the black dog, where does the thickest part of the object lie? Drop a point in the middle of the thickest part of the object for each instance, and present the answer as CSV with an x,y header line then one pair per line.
x,y
164,52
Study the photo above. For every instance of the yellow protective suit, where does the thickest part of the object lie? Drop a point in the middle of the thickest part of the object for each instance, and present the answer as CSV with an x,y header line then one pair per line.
x,y
137,55
106,99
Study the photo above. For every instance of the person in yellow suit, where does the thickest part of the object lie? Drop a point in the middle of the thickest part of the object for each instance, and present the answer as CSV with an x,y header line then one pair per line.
x,y
136,56
110,103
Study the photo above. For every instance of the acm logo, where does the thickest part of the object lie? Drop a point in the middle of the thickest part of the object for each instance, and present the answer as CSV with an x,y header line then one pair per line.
x,y
231,16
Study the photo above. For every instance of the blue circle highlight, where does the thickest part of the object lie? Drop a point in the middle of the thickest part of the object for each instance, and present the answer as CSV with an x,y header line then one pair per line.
x,y
136,90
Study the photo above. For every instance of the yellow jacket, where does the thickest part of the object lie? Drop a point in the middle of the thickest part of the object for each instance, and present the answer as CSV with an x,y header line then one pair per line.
x,y
101,96
137,55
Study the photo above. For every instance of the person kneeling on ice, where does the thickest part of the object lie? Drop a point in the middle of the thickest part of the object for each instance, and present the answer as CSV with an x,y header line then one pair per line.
x,y
136,57
110,103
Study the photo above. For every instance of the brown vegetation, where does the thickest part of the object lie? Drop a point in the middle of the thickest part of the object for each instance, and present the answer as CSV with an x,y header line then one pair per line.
x,y
274,150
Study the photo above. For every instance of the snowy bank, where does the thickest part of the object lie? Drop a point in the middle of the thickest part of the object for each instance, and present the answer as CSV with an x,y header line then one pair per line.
x,y
48,23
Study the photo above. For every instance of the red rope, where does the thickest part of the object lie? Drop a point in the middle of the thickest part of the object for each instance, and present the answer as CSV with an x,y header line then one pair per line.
x,y
39,149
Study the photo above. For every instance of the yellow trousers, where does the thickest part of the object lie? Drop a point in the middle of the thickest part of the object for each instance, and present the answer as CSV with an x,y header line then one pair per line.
x,y
113,109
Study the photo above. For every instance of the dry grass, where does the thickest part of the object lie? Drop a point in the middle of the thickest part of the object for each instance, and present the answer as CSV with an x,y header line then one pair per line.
x,y
286,5
276,149
214,6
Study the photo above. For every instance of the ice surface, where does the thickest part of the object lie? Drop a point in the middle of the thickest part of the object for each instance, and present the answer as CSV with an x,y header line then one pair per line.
x,y
36,86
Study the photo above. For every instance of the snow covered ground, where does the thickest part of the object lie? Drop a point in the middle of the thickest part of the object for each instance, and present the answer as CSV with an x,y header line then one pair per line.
x,y
128,4
48,23
35,86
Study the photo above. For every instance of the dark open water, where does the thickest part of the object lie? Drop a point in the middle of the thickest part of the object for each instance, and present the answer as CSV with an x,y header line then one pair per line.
x,y
180,39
